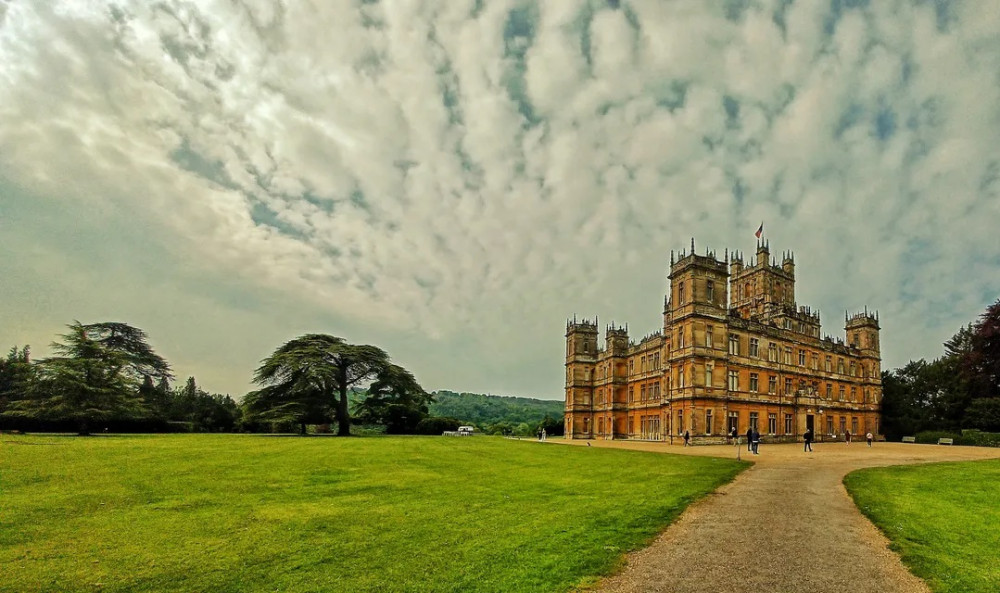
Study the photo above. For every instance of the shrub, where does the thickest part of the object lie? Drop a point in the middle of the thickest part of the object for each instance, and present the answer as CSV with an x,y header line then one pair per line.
x,y
978,438
931,436
437,425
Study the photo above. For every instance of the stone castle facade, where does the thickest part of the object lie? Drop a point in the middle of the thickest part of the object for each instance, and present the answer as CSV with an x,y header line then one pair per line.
x,y
735,351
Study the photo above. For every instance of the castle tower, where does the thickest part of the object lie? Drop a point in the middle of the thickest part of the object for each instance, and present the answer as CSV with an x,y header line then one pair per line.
x,y
581,359
862,331
696,335
763,290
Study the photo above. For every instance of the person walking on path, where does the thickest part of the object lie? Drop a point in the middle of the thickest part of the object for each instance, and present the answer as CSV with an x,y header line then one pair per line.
x,y
750,439
543,435
539,433
868,437
847,437
807,438
687,438
756,442
732,434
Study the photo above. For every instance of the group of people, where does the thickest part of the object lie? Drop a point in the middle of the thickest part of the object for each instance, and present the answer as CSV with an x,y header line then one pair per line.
x,y
753,439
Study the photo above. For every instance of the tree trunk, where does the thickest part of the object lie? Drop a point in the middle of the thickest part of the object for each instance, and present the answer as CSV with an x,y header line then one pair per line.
x,y
302,427
343,414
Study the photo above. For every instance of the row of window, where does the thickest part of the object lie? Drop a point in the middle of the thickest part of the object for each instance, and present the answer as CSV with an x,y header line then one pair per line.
x,y
649,426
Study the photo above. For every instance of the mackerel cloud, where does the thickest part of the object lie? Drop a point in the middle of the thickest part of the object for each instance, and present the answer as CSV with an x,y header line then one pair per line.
x,y
453,179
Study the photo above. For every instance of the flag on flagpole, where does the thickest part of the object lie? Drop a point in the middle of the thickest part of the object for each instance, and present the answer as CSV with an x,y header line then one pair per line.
x,y
760,230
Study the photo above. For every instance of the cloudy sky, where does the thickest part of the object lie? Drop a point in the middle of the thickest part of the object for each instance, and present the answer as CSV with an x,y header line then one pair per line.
x,y
452,179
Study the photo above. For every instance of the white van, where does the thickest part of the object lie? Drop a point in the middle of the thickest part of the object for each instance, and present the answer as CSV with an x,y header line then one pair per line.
x,y
465,431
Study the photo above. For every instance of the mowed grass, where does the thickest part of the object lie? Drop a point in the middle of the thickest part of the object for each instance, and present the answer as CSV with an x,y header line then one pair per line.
x,y
943,519
260,513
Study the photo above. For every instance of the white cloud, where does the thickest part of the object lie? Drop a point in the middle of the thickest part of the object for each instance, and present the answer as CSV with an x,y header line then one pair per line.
x,y
457,177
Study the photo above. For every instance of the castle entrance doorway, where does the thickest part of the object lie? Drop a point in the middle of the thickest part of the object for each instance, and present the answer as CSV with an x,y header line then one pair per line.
x,y
809,421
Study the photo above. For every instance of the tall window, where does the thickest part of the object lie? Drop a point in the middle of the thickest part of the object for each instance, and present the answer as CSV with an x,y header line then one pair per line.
x,y
815,361
708,421
854,425
754,347
708,337
843,424
829,424
840,393
734,381
753,420
772,424
854,369
772,352
710,291
734,344
734,421
708,377
680,338
788,386
772,385
829,364
840,366
680,293
854,394
788,424
788,355
829,390
802,358
753,382
680,421
680,378
642,393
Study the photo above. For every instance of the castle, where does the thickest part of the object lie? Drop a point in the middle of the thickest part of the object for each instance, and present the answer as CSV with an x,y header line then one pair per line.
x,y
735,352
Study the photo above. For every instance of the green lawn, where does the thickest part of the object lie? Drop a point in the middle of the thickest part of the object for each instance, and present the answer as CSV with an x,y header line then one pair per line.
x,y
943,519
260,513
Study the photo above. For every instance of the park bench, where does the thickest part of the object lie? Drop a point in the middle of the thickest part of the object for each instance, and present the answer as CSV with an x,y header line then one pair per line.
x,y
943,441
909,439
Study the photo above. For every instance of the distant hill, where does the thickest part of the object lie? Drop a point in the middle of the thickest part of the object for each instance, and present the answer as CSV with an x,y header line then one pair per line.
x,y
482,410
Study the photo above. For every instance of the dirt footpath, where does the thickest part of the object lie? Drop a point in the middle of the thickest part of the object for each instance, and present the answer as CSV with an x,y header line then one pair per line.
x,y
785,524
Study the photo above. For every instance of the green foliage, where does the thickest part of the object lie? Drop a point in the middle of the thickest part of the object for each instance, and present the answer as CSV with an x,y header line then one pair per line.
x,y
978,438
228,513
493,413
930,437
17,376
96,377
961,389
437,425
309,378
394,400
941,518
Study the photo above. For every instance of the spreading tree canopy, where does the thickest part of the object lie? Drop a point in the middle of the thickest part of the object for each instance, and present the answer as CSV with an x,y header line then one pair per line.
x,y
395,400
95,376
308,378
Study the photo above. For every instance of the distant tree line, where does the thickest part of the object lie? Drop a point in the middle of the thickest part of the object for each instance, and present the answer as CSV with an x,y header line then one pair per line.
x,y
960,390
496,414
106,376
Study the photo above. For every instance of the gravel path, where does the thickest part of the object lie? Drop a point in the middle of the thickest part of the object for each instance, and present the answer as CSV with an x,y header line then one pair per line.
x,y
785,524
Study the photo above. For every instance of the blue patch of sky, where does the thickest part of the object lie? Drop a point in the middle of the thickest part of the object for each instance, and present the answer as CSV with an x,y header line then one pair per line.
x,y
885,123
735,9
779,16
732,107
944,13
262,215
837,9
670,94
519,34
190,160
850,117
